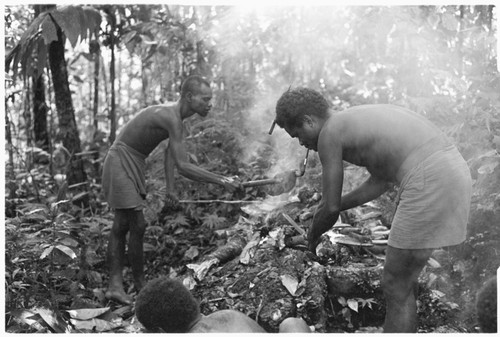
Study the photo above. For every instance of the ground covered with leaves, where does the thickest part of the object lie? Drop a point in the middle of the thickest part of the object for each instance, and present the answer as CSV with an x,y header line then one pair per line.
x,y
244,255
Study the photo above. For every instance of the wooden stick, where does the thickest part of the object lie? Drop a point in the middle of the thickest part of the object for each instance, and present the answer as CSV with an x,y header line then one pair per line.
x,y
294,224
253,183
218,201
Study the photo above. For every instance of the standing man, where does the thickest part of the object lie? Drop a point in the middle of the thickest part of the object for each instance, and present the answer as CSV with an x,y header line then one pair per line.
x,y
396,146
124,176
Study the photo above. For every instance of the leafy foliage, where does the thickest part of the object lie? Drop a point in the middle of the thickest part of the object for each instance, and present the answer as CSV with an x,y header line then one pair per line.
x,y
437,60
76,22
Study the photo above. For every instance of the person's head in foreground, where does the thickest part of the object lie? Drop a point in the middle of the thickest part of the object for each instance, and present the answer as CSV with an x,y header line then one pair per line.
x,y
168,305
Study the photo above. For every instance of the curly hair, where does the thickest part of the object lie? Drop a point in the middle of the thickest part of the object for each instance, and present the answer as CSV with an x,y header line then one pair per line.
x,y
166,303
193,84
294,104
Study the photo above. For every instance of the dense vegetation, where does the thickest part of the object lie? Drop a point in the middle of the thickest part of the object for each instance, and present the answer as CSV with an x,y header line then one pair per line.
x,y
76,74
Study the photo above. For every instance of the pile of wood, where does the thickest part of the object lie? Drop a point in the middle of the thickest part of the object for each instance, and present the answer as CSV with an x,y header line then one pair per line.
x,y
266,271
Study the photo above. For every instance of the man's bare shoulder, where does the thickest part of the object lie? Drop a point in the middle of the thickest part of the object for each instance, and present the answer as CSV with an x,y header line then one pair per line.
x,y
165,108
226,321
160,114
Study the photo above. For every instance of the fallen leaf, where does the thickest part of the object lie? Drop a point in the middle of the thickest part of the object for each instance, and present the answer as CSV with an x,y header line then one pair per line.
x,y
51,320
436,293
191,253
189,282
249,250
96,324
291,283
433,263
201,270
85,314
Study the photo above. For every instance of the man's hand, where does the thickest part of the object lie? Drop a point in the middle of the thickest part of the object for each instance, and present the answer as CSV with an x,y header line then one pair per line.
x,y
232,183
172,202
313,238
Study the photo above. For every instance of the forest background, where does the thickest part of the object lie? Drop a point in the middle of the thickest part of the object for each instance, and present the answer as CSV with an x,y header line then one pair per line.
x,y
76,74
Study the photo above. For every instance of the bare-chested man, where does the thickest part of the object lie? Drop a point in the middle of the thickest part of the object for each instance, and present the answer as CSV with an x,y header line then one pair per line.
x,y
124,176
396,146
166,305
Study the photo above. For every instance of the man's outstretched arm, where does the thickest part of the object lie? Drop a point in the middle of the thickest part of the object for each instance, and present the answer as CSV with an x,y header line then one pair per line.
x,y
328,211
178,153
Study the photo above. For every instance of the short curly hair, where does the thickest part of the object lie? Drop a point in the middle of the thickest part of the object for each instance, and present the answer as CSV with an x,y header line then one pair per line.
x,y
294,104
167,304
193,84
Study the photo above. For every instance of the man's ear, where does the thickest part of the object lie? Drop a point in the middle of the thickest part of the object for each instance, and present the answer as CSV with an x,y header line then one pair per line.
x,y
308,120
189,96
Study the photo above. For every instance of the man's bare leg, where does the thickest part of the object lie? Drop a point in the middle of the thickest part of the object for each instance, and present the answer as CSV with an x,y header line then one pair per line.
x,y
116,256
135,248
400,282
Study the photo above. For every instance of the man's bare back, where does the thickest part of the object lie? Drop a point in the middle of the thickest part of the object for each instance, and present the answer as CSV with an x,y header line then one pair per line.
x,y
150,127
379,137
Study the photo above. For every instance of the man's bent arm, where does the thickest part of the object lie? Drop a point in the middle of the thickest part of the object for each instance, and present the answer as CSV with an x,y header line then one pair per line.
x,y
371,189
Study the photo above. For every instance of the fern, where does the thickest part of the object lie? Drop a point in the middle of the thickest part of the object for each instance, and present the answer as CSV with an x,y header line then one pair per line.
x,y
213,221
179,220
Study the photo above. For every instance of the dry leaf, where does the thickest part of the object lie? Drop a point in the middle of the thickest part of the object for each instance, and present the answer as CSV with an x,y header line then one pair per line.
x,y
85,314
291,283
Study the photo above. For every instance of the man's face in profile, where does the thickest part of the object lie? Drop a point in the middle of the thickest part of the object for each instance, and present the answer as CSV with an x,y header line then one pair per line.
x,y
201,101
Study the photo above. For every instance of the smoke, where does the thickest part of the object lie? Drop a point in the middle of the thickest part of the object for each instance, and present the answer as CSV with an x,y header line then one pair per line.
x,y
287,152
240,37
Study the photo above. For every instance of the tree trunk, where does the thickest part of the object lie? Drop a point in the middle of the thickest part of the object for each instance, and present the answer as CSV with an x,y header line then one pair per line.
x,y
97,56
9,171
40,108
68,132
96,52
112,111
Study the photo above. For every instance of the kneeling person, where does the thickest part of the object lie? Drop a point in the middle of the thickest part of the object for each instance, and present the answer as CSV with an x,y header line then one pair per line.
x,y
166,304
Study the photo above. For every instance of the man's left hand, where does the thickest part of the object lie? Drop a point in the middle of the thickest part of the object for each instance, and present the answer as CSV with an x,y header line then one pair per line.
x,y
172,202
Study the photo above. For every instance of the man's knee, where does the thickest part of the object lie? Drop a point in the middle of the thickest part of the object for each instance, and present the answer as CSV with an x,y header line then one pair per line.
x,y
400,276
397,286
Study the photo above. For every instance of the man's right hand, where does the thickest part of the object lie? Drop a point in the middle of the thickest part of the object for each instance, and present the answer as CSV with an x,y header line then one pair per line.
x,y
232,183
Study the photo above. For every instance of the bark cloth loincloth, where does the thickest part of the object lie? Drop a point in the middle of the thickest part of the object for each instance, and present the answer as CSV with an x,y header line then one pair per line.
x,y
123,177
433,199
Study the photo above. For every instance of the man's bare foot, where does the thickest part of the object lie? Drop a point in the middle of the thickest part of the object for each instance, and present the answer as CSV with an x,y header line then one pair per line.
x,y
119,296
